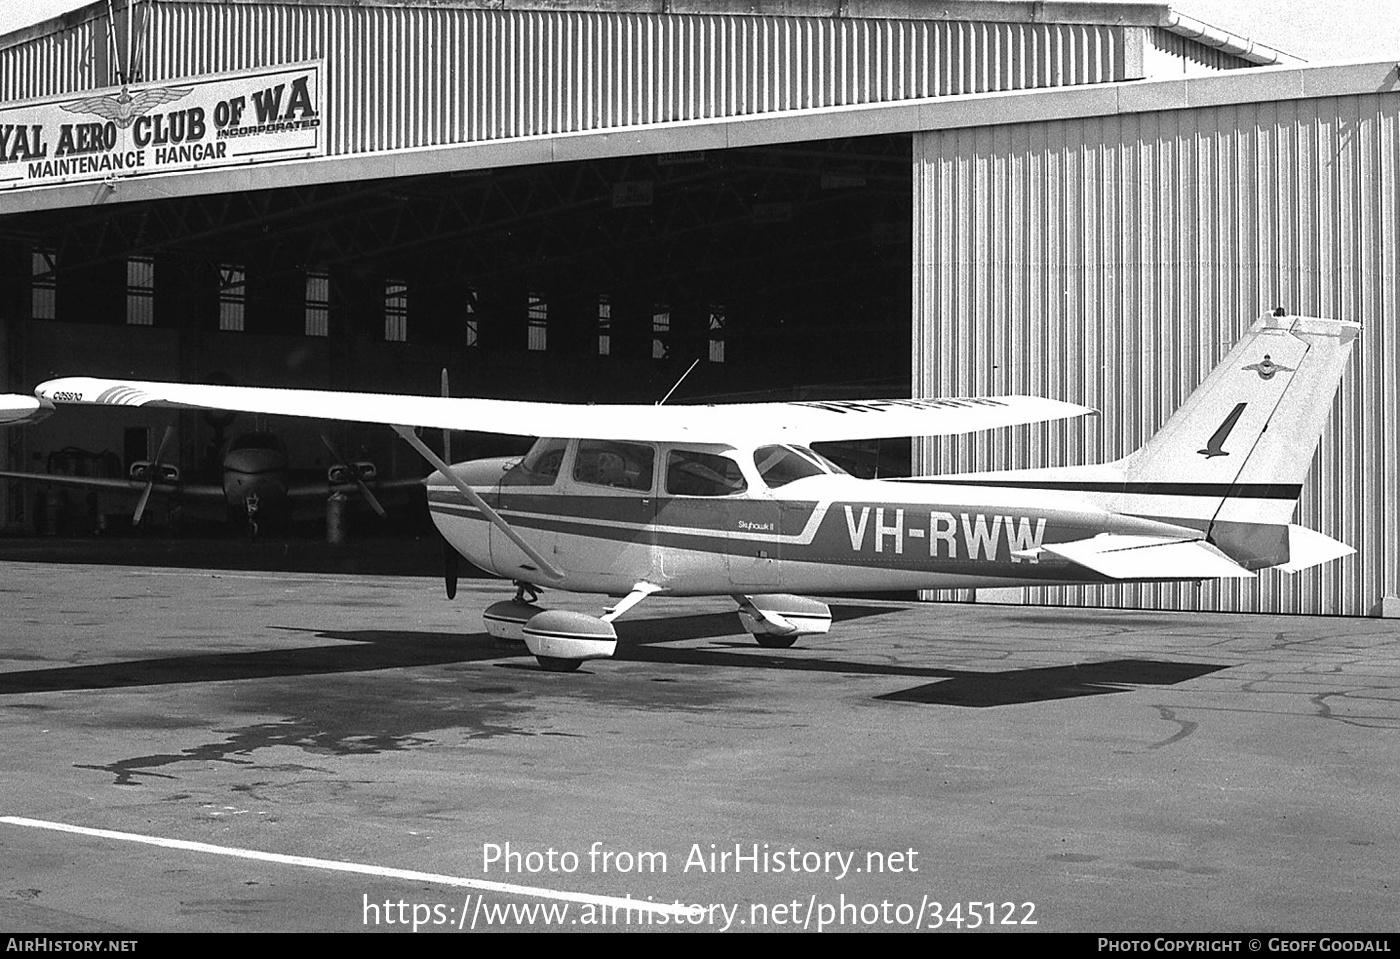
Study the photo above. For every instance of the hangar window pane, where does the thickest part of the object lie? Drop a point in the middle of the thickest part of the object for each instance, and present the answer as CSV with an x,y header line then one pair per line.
x,y
604,325
232,292
318,304
539,322
43,286
473,325
141,291
395,311
660,332
716,334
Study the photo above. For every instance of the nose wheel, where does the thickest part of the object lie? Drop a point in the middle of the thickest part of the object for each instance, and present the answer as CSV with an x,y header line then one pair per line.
x,y
505,621
251,505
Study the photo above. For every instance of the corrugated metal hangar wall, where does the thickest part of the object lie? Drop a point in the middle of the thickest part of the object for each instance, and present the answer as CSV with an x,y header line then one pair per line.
x,y
410,77
406,76
1112,259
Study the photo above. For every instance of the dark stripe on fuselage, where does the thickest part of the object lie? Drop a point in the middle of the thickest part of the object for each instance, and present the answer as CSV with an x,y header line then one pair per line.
x,y
715,515
1213,490
708,539
829,548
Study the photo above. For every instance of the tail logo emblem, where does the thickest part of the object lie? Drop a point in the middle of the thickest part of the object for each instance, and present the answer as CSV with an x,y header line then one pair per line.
x,y
1222,432
1266,368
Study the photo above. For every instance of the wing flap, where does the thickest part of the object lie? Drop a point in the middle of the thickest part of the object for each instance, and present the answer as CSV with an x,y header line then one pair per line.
x,y
801,423
1149,557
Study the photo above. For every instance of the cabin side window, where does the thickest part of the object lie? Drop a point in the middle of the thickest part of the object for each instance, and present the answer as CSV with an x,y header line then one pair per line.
x,y
618,465
540,467
690,473
780,465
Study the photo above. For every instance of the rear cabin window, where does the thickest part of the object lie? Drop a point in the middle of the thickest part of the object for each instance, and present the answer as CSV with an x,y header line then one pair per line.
x,y
690,473
618,465
540,467
780,465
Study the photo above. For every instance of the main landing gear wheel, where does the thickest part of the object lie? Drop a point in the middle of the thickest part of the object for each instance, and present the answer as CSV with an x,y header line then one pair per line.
x,y
561,639
778,620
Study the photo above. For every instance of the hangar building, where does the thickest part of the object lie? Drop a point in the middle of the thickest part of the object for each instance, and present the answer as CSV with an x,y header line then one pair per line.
x,y
576,200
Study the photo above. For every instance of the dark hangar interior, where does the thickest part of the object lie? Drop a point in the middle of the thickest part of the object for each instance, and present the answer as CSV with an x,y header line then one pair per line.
x,y
782,270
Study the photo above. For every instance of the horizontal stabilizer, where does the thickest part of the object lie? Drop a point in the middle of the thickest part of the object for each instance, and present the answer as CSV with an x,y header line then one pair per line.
x,y
1308,548
1149,557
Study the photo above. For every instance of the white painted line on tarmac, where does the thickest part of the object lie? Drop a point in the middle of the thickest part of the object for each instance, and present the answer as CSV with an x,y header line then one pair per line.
x,y
336,865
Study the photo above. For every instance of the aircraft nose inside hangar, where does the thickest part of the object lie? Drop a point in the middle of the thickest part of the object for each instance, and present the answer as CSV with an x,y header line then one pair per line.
x,y
557,201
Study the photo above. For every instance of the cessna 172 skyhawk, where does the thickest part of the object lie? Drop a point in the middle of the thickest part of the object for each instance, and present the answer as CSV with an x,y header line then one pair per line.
x,y
730,500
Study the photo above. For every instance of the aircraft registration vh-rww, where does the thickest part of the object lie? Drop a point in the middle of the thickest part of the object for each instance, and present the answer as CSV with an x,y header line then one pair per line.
x,y
731,500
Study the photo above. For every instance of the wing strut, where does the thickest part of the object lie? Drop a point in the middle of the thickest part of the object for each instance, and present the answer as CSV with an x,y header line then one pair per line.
x,y
411,438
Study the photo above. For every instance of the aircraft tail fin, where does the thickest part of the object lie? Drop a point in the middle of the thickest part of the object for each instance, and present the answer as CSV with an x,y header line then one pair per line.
x,y
1239,448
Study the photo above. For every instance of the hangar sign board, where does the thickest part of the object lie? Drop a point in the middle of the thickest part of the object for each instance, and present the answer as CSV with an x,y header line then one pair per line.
x,y
218,121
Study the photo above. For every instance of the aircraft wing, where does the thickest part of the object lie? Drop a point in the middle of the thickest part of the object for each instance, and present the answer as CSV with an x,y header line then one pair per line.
x,y
16,409
795,422
322,490
183,490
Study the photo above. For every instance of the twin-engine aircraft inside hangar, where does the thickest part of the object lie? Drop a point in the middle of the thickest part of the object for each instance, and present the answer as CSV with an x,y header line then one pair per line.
x,y
731,500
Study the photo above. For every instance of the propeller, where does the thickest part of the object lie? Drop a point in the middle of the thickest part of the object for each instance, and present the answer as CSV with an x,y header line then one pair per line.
x,y
446,433
451,568
355,475
151,475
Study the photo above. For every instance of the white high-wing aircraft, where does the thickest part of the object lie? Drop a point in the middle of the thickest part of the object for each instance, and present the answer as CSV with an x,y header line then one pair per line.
x,y
730,500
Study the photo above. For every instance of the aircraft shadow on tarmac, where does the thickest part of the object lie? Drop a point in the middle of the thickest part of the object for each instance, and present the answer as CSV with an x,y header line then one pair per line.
x,y
966,688
641,641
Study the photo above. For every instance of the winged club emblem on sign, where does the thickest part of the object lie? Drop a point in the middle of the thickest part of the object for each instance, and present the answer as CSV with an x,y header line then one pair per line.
x,y
123,108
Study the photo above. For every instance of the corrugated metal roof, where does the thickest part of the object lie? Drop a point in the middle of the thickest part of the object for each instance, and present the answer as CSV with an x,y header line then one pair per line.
x,y
986,11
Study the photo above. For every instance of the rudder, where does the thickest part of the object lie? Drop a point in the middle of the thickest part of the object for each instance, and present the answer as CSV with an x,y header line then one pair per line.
x,y
1219,447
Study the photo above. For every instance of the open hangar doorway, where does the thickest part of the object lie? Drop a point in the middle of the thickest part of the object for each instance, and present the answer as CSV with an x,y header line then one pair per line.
x,y
780,272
